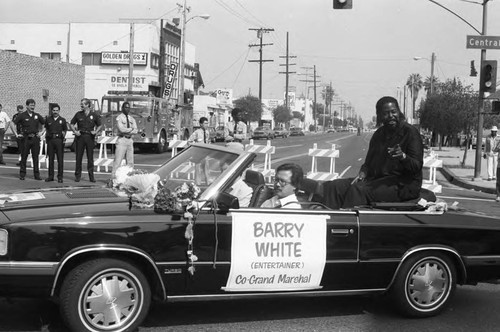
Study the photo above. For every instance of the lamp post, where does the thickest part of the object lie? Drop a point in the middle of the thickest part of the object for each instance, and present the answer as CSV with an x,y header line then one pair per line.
x,y
432,60
182,56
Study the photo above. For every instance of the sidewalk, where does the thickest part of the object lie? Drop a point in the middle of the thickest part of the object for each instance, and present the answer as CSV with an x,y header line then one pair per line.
x,y
463,176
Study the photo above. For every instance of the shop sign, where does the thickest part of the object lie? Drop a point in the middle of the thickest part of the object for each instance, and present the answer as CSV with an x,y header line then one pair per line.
x,y
123,58
224,96
138,82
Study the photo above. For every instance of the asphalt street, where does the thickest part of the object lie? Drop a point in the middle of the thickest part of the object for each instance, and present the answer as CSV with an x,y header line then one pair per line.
x,y
474,308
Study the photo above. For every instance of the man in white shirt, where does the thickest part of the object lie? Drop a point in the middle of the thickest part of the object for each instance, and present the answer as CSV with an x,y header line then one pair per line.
x,y
236,130
124,148
287,180
4,125
201,135
490,155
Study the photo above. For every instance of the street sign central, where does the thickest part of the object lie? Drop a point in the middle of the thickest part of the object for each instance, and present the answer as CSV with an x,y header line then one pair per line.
x,y
483,42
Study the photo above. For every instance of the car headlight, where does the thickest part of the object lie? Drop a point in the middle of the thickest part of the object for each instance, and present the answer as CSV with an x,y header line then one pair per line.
x,y
3,242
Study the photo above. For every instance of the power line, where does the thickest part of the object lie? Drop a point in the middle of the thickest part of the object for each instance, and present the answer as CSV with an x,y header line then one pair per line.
x,y
241,68
230,66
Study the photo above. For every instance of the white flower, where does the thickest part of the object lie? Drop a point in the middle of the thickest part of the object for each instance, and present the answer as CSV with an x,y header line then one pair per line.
x,y
121,175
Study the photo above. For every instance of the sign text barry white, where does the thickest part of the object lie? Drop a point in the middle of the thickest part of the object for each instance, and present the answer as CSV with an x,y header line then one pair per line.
x,y
277,252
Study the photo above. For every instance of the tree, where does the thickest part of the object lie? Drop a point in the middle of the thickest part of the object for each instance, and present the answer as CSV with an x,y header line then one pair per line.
x,y
415,83
251,106
435,84
327,94
450,111
281,114
298,115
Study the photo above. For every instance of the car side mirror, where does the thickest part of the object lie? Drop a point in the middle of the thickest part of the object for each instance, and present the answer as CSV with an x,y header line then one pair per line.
x,y
226,201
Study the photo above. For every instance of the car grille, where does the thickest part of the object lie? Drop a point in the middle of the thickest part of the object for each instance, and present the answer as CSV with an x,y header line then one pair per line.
x,y
91,194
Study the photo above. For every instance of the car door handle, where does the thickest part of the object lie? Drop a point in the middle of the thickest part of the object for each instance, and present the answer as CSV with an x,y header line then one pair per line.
x,y
342,231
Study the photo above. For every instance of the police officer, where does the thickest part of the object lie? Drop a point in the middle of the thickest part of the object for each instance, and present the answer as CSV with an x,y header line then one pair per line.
x,y
86,124
29,123
20,110
56,128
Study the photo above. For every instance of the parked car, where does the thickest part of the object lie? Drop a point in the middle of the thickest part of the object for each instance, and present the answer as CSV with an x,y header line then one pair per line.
x,y
263,132
474,142
281,132
296,131
219,134
10,142
96,255
331,130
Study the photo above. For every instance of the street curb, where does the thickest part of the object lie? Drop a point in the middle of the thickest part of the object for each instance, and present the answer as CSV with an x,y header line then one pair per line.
x,y
452,178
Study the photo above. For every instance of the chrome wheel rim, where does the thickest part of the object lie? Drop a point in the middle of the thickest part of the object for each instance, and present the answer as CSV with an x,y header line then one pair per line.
x,y
428,284
110,301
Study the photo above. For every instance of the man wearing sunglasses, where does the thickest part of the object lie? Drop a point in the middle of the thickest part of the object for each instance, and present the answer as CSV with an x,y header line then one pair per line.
x,y
287,180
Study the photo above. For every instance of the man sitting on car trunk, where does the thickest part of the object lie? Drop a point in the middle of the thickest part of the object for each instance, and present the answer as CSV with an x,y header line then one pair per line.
x,y
392,171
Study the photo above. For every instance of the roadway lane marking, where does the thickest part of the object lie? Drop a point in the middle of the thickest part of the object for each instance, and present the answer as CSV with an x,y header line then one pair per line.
x,y
360,159
289,146
342,174
468,198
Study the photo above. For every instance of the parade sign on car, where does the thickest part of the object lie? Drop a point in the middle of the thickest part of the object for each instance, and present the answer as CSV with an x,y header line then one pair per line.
x,y
277,252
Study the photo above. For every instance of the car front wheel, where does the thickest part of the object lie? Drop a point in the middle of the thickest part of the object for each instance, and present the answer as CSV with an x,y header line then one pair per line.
x,y
105,295
424,285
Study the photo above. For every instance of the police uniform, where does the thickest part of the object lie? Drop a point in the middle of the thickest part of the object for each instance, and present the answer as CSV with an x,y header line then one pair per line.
x,y
86,124
29,123
55,133
19,140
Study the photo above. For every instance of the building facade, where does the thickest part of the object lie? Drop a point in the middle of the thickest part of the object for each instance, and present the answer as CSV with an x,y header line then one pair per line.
x,y
46,81
103,50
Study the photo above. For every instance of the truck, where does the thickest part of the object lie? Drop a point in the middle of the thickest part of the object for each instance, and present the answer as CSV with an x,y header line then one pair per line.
x,y
157,121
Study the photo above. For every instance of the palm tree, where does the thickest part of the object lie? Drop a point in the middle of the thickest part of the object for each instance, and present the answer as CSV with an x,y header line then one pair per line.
x,y
415,84
427,84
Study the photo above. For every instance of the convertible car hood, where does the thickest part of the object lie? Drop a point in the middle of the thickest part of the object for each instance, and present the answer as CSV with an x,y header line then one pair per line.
x,y
57,203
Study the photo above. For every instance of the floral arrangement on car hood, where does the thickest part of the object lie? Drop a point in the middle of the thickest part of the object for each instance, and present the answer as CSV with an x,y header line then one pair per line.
x,y
139,185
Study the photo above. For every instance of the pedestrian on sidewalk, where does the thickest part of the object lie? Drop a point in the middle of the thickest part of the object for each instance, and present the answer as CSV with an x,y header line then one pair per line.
x,y
56,128
29,123
490,155
124,147
497,150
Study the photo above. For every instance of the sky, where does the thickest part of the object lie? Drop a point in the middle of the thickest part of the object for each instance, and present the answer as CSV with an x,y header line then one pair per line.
x,y
366,52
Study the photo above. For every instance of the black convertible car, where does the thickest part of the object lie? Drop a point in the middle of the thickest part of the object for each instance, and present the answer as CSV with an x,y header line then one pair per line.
x,y
103,260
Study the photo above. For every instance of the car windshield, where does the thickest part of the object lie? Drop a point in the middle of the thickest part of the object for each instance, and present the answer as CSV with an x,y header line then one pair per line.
x,y
197,164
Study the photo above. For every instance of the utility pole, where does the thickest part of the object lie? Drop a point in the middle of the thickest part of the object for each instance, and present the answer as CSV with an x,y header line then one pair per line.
x,y
260,33
306,80
286,72
480,108
315,106
131,58
331,102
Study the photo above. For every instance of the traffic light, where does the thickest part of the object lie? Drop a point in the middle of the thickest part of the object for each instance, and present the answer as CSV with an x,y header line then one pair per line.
x,y
488,80
342,4
473,71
